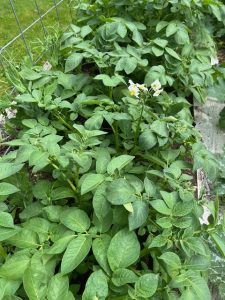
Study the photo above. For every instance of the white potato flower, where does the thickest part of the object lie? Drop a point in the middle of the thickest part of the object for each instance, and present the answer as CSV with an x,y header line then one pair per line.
x,y
214,61
134,91
157,93
142,87
156,85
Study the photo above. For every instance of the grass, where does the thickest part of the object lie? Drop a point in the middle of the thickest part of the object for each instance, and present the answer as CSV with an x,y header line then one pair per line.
x,y
27,13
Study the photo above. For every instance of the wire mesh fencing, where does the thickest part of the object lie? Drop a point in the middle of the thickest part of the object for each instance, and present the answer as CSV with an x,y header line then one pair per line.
x,y
14,14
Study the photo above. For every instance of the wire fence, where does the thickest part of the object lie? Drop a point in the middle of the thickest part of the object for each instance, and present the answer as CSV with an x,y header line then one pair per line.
x,y
21,35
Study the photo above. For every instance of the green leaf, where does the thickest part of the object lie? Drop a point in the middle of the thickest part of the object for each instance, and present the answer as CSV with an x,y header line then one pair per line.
x,y
62,192
14,266
160,42
157,51
123,276
31,285
110,81
6,220
137,37
24,238
75,253
9,169
160,25
139,215
102,160
96,286
58,287
171,29
91,182
146,285
6,233
85,30
220,243
147,140
129,247
120,192
172,53
182,209
160,128
122,30
159,241
75,219
161,207
29,74
131,65
7,189
118,163
171,259
100,247
73,61
61,244
100,204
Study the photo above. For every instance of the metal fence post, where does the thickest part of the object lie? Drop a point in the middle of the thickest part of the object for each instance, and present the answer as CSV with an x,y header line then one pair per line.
x,y
41,19
20,29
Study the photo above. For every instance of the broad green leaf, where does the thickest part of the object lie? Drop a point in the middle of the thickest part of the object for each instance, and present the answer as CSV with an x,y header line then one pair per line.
x,y
61,244
131,64
100,204
110,81
146,285
160,42
171,29
75,219
14,266
24,239
147,140
6,220
157,51
6,233
73,61
159,241
172,53
120,192
129,252
123,276
161,207
182,209
139,215
62,192
75,253
96,286
100,247
150,188
129,207
58,287
29,74
91,182
122,30
118,163
8,287
9,169
7,189
137,37
31,285
102,160
171,259
160,128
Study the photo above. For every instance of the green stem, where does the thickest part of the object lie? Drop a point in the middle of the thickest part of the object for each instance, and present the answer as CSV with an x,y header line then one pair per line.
x,y
65,177
63,122
116,137
138,126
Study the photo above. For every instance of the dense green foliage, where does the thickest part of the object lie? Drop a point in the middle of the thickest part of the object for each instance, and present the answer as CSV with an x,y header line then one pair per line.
x,y
98,199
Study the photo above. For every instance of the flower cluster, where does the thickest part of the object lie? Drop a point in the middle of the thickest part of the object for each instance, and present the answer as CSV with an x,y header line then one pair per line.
x,y
136,88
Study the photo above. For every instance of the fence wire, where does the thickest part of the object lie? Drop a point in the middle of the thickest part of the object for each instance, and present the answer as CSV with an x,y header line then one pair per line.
x,y
21,35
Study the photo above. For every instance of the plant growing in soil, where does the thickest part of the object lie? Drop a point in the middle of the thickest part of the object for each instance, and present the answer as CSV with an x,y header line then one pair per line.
x,y
97,194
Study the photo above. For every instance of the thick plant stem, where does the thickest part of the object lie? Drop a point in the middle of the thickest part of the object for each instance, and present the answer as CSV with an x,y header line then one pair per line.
x,y
116,137
138,126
